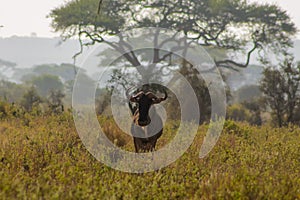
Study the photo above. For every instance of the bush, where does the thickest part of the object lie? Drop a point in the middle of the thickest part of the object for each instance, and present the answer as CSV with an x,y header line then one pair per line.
x,y
248,112
55,101
3,112
231,127
238,112
30,99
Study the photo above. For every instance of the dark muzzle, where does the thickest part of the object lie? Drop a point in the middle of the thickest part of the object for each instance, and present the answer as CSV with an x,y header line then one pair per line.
x,y
144,122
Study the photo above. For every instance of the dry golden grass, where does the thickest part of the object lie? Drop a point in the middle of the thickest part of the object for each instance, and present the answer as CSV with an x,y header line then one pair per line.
x,y
42,157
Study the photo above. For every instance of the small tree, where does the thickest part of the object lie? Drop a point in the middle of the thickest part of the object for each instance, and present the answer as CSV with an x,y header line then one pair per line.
x,y
280,89
55,101
30,99
254,106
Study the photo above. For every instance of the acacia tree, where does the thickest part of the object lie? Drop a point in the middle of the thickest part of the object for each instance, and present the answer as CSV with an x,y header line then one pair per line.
x,y
236,26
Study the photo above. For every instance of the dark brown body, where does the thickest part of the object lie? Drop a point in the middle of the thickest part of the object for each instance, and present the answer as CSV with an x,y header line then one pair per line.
x,y
147,125
148,134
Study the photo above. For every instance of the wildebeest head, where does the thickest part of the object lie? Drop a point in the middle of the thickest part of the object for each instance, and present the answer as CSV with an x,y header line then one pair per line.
x,y
144,101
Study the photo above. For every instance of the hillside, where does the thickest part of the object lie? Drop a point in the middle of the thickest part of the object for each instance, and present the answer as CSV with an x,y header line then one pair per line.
x,y
29,51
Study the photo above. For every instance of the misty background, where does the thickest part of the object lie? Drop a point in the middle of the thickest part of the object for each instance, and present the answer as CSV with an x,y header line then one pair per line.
x,y
19,55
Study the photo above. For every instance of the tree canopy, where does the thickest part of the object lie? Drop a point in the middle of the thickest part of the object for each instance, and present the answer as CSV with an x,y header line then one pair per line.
x,y
281,91
237,26
45,83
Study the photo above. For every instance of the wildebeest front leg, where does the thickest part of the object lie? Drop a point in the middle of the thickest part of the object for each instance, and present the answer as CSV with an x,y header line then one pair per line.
x,y
137,144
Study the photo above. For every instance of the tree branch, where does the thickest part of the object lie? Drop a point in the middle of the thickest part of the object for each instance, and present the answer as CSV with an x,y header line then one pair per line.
x,y
230,63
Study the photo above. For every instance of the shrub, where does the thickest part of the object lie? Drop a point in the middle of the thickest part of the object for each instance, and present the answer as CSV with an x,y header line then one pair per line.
x,y
247,112
30,99
3,112
231,127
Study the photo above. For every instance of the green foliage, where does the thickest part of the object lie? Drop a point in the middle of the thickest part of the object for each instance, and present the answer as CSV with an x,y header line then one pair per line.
x,y
232,127
47,160
30,100
45,83
3,112
247,93
10,110
84,13
280,88
219,24
246,112
11,92
238,113
55,101
255,107
65,72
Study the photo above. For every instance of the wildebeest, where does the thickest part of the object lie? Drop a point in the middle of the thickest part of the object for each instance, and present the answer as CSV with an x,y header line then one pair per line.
x,y
147,125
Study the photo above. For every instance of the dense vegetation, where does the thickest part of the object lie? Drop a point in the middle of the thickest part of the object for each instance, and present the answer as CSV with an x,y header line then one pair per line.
x,y
42,157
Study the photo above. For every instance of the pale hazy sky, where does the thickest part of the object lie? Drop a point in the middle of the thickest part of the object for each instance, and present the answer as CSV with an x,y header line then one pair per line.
x,y
23,17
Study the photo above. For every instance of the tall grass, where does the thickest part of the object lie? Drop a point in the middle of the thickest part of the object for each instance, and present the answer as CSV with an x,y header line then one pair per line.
x,y
42,157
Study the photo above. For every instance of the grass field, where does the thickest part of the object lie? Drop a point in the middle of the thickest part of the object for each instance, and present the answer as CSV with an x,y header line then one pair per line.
x,y
42,157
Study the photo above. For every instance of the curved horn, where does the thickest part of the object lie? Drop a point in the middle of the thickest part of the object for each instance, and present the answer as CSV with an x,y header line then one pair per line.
x,y
128,95
156,99
138,94
166,95
127,92
151,95
135,97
